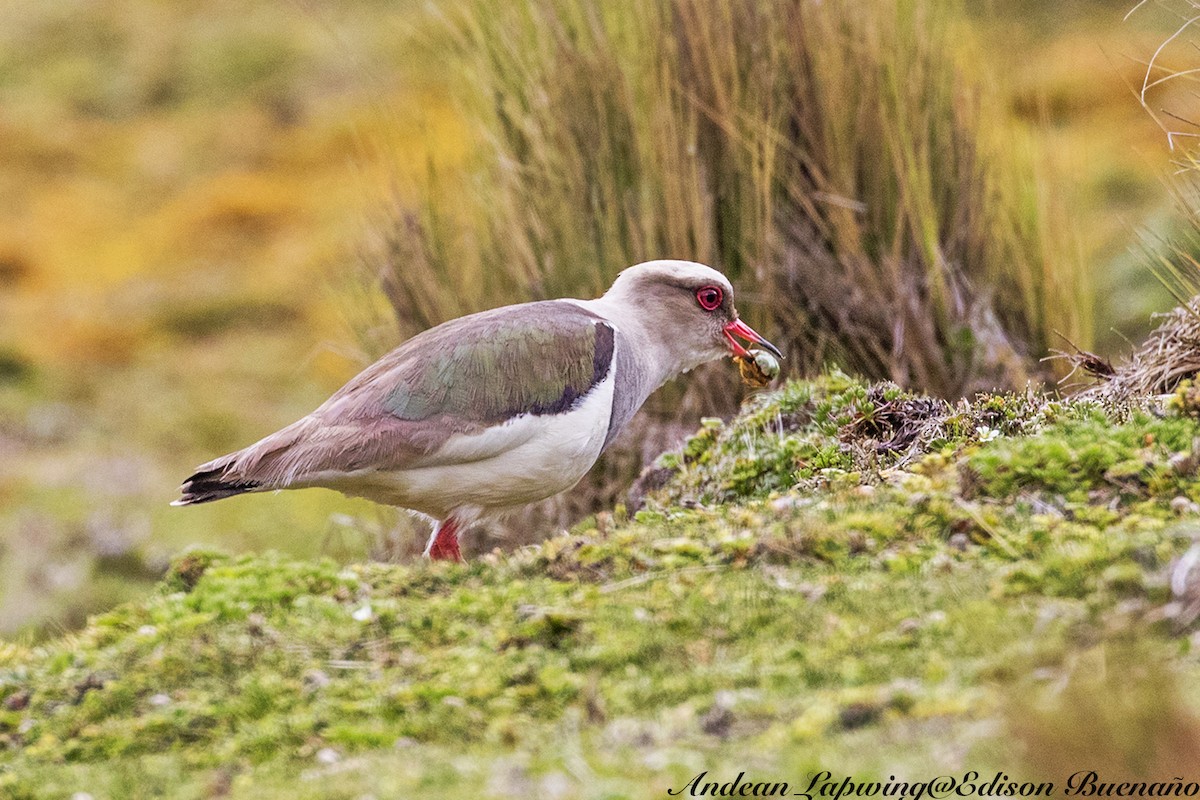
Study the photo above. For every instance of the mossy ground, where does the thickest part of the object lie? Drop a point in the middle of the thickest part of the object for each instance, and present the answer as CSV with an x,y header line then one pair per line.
x,y
169,170
813,588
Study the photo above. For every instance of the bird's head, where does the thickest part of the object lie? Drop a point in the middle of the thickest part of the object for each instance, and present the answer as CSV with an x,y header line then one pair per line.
x,y
686,309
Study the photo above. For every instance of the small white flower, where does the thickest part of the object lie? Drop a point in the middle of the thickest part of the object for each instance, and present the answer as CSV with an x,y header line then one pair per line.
x,y
987,434
364,613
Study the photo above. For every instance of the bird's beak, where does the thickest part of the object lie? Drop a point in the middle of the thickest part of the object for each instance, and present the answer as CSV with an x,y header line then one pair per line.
x,y
741,330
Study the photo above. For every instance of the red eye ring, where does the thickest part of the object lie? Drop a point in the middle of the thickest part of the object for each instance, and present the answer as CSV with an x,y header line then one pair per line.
x,y
710,297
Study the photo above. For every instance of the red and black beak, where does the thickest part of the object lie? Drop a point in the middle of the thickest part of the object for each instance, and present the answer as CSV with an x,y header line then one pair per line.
x,y
741,330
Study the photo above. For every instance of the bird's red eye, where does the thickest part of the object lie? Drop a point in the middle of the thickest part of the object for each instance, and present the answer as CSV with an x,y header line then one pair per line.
x,y
709,297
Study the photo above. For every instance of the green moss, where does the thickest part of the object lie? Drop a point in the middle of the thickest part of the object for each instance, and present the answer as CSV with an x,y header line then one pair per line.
x,y
892,587
1078,456
808,434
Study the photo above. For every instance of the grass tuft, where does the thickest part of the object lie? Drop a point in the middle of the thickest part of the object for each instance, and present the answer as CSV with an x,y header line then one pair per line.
x,y
842,163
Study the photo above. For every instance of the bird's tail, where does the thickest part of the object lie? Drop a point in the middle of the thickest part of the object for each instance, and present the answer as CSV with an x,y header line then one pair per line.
x,y
272,463
207,485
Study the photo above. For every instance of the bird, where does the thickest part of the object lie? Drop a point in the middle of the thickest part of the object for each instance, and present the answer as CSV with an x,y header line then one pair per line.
x,y
497,409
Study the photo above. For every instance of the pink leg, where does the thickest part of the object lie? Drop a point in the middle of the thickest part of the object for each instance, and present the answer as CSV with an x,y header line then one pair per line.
x,y
443,542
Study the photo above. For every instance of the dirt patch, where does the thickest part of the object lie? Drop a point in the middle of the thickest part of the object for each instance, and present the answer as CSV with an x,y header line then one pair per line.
x,y
896,425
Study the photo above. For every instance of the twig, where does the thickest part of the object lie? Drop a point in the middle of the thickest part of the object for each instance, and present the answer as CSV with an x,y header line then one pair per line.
x,y
1169,77
1135,8
1169,39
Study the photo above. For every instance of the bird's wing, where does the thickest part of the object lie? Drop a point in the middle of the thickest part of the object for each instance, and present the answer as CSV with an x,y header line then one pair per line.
x,y
484,369
464,377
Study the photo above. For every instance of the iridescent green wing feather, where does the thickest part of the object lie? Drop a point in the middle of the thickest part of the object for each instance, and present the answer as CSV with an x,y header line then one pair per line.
x,y
538,358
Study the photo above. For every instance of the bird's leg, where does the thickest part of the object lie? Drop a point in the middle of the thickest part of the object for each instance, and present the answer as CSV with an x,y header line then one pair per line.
x,y
443,542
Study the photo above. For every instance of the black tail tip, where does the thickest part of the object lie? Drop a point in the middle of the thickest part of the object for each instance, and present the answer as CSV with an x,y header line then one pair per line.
x,y
205,487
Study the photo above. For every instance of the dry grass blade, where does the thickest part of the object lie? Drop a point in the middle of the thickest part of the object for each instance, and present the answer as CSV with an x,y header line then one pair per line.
x,y
1092,365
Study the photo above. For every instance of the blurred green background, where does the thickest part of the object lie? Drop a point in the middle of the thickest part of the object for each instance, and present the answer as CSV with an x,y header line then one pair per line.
x,y
185,192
